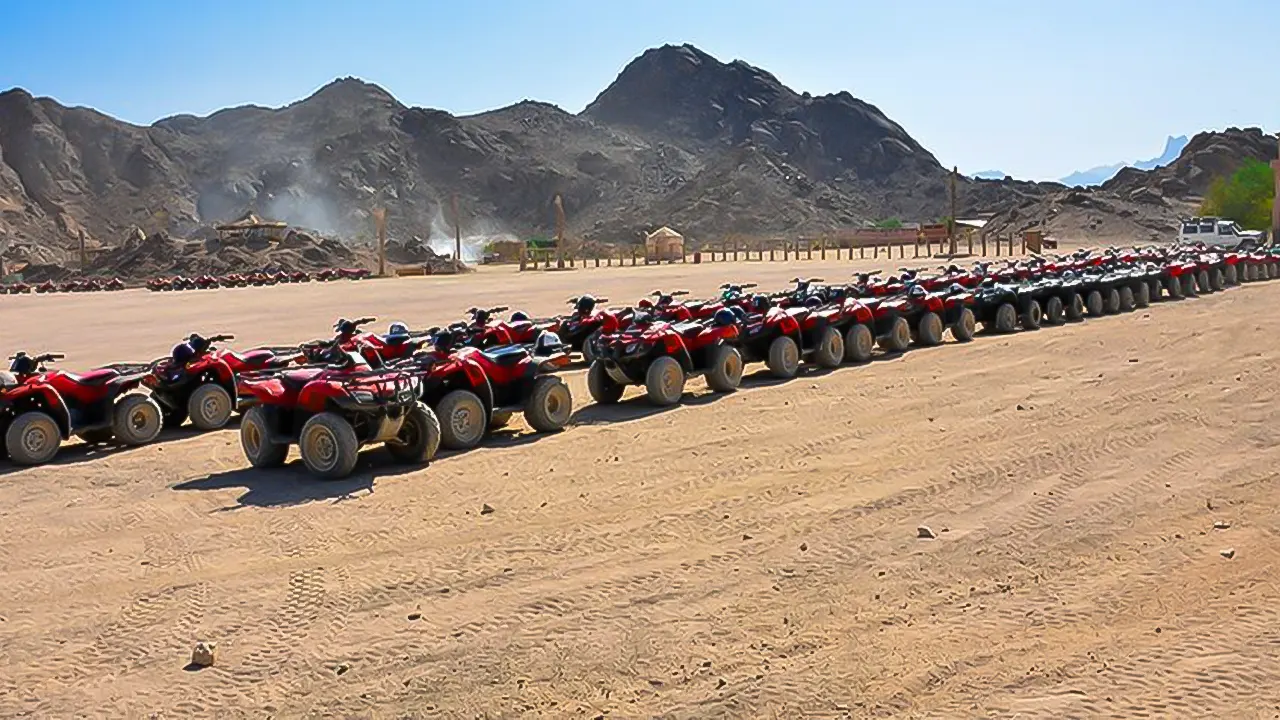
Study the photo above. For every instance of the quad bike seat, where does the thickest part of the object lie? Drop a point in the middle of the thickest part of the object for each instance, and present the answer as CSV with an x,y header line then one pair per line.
x,y
254,357
506,354
297,379
689,329
801,310
99,376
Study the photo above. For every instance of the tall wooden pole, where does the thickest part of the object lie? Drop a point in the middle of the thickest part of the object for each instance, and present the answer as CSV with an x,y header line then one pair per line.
x,y
951,226
380,228
559,233
457,232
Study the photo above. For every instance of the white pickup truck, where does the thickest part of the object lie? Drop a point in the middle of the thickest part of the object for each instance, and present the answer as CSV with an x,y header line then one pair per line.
x,y
1215,231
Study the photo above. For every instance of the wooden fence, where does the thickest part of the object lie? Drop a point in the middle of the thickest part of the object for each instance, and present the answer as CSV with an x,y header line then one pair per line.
x,y
754,250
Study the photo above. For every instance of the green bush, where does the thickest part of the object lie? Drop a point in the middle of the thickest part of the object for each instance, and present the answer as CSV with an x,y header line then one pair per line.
x,y
889,224
1245,197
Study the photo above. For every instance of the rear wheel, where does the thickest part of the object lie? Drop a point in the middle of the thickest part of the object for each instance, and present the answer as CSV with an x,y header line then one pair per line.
x,y
1093,303
549,405
1174,288
784,358
1230,276
725,372
664,381
1126,299
1006,318
858,343
602,387
1154,284
1075,309
136,419
419,436
965,326
1032,316
1111,302
1142,294
32,438
898,338
210,407
1054,312
329,446
588,347
463,420
929,329
1216,281
256,440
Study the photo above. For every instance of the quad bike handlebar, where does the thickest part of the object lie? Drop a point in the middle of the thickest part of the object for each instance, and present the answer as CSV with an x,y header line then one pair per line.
x,y
44,358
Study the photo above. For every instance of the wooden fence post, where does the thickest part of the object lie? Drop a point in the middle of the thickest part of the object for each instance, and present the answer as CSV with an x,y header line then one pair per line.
x,y
984,244
770,253
969,235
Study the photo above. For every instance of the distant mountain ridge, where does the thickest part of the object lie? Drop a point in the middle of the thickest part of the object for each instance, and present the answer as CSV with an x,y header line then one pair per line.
x,y
1173,147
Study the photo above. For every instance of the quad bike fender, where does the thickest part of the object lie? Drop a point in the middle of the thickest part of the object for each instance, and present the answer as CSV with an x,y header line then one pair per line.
x,y
26,398
458,374
219,371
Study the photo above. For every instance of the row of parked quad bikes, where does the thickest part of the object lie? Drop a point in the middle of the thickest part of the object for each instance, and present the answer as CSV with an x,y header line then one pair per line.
x,y
179,282
450,386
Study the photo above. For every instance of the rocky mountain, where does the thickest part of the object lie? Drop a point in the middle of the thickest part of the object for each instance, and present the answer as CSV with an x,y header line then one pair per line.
x,y
678,138
1096,176
1137,204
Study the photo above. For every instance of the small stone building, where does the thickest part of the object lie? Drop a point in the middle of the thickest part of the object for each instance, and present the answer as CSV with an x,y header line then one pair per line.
x,y
664,244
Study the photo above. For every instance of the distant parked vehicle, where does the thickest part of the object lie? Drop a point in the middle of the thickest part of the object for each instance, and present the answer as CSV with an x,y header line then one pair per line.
x,y
1215,231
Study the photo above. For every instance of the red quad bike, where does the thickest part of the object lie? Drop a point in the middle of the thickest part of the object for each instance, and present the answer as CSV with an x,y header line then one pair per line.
x,y
198,380
41,408
484,332
662,355
47,286
158,284
347,336
353,273
398,344
474,391
333,410
839,309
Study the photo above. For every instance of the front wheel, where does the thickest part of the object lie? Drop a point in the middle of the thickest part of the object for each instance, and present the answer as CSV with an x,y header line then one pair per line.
x,y
725,373
929,329
830,350
419,436
550,405
463,420
965,327
1093,303
33,438
1142,295
858,343
664,381
1054,311
1006,318
602,387
1174,288
329,446
1075,308
784,358
256,439
137,419
1230,276
1204,284
1216,281
210,407
1126,299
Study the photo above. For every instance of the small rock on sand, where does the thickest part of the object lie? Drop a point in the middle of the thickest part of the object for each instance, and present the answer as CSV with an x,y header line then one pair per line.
x,y
1221,525
925,532
486,509
1228,553
203,654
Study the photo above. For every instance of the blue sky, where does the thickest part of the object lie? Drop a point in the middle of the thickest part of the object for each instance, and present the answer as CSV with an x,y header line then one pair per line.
x,y
1032,87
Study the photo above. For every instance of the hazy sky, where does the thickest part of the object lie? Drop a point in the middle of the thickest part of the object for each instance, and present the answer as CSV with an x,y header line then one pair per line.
x,y
1031,87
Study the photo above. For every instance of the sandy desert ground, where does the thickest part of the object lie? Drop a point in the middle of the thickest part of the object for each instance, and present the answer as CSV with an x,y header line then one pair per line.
x,y
752,555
